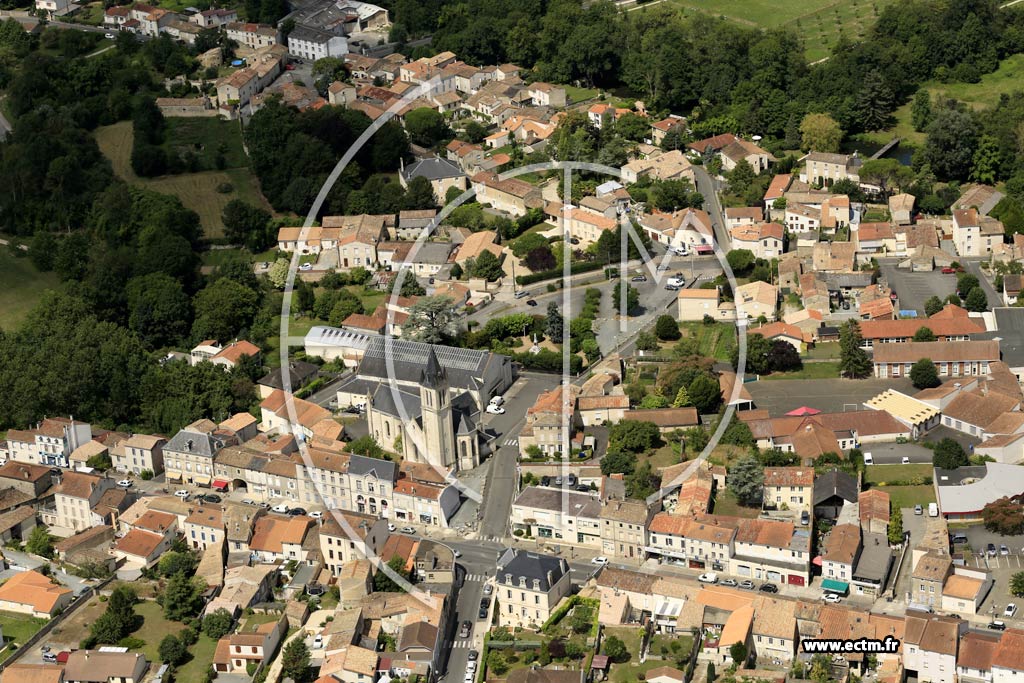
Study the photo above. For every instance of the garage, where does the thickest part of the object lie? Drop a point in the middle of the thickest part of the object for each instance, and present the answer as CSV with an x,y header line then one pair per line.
x,y
795,580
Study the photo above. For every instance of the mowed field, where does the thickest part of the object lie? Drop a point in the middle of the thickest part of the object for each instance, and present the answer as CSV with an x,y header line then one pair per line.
x,y
818,22
1008,78
197,191
21,286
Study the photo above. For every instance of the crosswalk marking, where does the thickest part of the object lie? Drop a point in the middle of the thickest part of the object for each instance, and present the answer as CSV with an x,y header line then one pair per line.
x,y
476,577
511,442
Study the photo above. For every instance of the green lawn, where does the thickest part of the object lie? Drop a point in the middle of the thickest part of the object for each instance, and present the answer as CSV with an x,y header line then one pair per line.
x,y
1008,78
576,94
823,370
205,137
197,191
21,286
818,22
216,257
877,474
726,504
909,496
18,628
823,350
714,341
631,670
153,630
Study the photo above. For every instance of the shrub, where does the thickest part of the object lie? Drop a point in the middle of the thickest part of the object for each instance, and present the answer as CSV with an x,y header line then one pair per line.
x,y
146,475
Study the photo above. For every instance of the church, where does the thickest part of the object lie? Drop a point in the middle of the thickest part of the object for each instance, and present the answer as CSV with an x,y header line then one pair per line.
x,y
425,422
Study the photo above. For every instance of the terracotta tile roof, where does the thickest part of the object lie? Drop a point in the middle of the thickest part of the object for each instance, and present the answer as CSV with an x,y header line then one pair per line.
x,y
272,531
716,143
874,231
789,476
34,673
841,544
235,351
153,520
665,417
139,543
78,484
698,294
873,504
211,516
932,567
965,587
32,588
977,651
1010,652
753,212
766,532
756,232
906,328
12,469
779,329
775,617
602,402
980,408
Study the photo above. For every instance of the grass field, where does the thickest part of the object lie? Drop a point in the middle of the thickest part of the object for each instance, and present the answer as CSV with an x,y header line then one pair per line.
x,y
21,286
197,191
726,504
823,370
153,630
18,628
878,474
576,94
818,22
1009,77
909,496
714,341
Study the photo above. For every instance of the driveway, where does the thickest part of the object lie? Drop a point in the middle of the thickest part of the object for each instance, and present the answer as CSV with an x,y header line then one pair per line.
x,y
827,395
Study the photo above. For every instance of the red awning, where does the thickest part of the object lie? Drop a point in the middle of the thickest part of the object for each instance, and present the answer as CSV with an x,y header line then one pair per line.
x,y
803,411
705,249
221,484
817,561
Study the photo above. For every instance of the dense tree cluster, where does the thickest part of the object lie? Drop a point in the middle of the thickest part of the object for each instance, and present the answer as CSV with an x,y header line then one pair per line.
x,y
293,152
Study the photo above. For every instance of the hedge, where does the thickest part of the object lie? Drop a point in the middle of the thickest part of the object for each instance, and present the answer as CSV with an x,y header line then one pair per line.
x,y
574,269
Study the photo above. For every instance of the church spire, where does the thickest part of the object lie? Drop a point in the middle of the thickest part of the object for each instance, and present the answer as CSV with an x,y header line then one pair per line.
x,y
433,374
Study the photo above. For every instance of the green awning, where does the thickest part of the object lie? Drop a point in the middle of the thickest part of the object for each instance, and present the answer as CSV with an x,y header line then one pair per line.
x,y
835,586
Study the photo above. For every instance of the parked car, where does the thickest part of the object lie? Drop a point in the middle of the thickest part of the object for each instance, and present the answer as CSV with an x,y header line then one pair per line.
x,y
768,588
1010,610
531,302
905,460
918,510
600,559
306,266
805,518
522,294
991,549
495,409
483,613
728,582
488,588
747,585
672,288
282,508
638,278
948,271
391,527
997,626
708,577
1003,550
49,658
676,281
125,483
182,493
212,498
497,400
109,36
465,629
408,530
316,514
473,655
833,598
574,240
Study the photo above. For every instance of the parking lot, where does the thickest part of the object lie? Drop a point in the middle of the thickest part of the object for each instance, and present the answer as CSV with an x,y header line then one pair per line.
x,y
914,289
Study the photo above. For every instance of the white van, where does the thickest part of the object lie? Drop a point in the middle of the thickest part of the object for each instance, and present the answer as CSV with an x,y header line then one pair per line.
x,y
868,460
675,282
933,510
497,400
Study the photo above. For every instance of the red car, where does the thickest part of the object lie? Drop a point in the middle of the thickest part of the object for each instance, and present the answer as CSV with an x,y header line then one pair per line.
x,y
289,67
948,271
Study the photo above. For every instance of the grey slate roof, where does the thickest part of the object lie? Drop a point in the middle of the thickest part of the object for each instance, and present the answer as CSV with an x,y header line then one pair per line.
x,y
434,168
515,564
835,483
298,371
384,401
558,500
195,443
466,368
362,465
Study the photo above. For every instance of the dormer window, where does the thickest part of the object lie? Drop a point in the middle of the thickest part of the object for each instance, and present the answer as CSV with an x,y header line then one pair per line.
x,y
536,584
522,582
508,578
